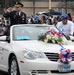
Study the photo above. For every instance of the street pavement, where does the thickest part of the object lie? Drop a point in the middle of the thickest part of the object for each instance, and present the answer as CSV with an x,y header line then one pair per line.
x,y
1,73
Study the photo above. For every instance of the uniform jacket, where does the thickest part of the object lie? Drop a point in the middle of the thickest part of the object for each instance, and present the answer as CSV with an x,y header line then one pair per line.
x,y
15,18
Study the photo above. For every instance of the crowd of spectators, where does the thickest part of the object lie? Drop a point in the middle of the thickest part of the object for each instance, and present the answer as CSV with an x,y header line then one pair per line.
x,y
50,20
13,17
35,19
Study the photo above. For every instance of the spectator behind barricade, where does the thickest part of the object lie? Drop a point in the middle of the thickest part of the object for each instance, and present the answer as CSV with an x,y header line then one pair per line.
x,y
65,25
73,20
6,21
36,18
58,19
43,20
49,21
69,17
31,20
1,31
49,16
52,19
55,21
0,22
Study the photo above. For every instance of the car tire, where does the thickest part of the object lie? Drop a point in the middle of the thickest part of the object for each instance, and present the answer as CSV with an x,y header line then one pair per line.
x,y
13,67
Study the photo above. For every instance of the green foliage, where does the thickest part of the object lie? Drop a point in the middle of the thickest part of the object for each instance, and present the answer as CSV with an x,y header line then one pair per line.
x,y
12,2
2,3
59,40
41,36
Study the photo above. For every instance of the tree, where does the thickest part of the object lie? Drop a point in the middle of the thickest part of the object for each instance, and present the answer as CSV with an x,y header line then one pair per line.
x,y
2,3
71,5
1,6
6,4
66,4
9,3
34,7
12,2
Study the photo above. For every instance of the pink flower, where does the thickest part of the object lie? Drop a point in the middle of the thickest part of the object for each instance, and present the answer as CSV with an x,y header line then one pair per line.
x,y
44,37
59,34
68,51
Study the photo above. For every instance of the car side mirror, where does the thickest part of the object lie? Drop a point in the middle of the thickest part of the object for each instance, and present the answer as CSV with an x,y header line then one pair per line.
x,y
2,38
8,39
72,38
5,38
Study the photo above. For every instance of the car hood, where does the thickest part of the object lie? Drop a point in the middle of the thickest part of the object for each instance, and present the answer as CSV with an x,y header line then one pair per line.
x,y
42,46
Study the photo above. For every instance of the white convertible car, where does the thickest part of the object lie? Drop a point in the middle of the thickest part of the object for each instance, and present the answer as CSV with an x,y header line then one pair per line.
x,y
22,53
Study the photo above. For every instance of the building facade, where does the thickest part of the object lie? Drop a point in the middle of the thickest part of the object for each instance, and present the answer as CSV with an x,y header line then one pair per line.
x,y
33,6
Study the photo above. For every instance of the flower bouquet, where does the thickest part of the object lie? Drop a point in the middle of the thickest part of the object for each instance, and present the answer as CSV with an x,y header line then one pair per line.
x,y
51,36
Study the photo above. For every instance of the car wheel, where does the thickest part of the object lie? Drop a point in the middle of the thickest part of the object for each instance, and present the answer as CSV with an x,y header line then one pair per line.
x,y
13,67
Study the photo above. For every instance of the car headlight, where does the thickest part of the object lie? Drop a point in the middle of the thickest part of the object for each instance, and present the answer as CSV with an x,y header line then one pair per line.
x,y
32,54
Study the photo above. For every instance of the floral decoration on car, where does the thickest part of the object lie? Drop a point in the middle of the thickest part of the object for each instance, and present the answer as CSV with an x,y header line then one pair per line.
x,y
52,36
65,55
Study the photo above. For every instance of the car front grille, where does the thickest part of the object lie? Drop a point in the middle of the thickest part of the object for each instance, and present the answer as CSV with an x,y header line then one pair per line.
x,y
55,56
52,56
73,56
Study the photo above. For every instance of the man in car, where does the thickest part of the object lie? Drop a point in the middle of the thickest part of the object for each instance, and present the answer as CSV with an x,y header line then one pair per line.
x,y
16,16
65,25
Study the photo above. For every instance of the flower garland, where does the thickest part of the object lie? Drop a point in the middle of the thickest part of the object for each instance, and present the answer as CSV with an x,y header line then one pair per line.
x,y
65,55
51,36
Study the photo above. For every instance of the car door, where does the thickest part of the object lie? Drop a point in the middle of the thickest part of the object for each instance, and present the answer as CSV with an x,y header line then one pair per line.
x,y
1,54
4,56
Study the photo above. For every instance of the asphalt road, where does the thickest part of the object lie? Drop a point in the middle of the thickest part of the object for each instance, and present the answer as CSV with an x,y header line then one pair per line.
x,y
2,73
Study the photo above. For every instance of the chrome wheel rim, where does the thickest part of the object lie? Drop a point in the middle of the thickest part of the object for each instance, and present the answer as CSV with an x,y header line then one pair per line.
x,y
13,68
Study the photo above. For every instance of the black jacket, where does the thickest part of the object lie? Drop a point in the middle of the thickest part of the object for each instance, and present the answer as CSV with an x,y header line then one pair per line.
x,y
15,18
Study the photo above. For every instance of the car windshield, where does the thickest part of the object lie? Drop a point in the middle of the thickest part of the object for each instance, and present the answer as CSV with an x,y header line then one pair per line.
x,y
29,32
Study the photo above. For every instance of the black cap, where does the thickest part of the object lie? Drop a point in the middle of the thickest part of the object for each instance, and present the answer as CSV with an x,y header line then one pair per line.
x,y
19,4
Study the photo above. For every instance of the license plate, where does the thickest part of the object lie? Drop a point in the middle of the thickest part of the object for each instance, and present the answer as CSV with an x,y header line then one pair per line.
x,y
64,68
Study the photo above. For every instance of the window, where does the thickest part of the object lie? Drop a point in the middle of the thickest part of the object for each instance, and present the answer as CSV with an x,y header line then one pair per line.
x,y
28,33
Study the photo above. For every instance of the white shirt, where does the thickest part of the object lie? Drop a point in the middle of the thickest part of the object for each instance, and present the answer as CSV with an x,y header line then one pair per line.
x,y
19,13
67,28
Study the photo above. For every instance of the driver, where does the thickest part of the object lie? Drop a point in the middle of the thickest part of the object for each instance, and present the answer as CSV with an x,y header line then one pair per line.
x,y
65,25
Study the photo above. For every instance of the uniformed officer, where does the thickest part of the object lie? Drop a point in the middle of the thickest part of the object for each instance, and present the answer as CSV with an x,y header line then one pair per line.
x,y
16,16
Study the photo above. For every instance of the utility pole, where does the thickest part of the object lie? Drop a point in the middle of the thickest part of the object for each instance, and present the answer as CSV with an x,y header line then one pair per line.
x,y
49,4
33,7
65,6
